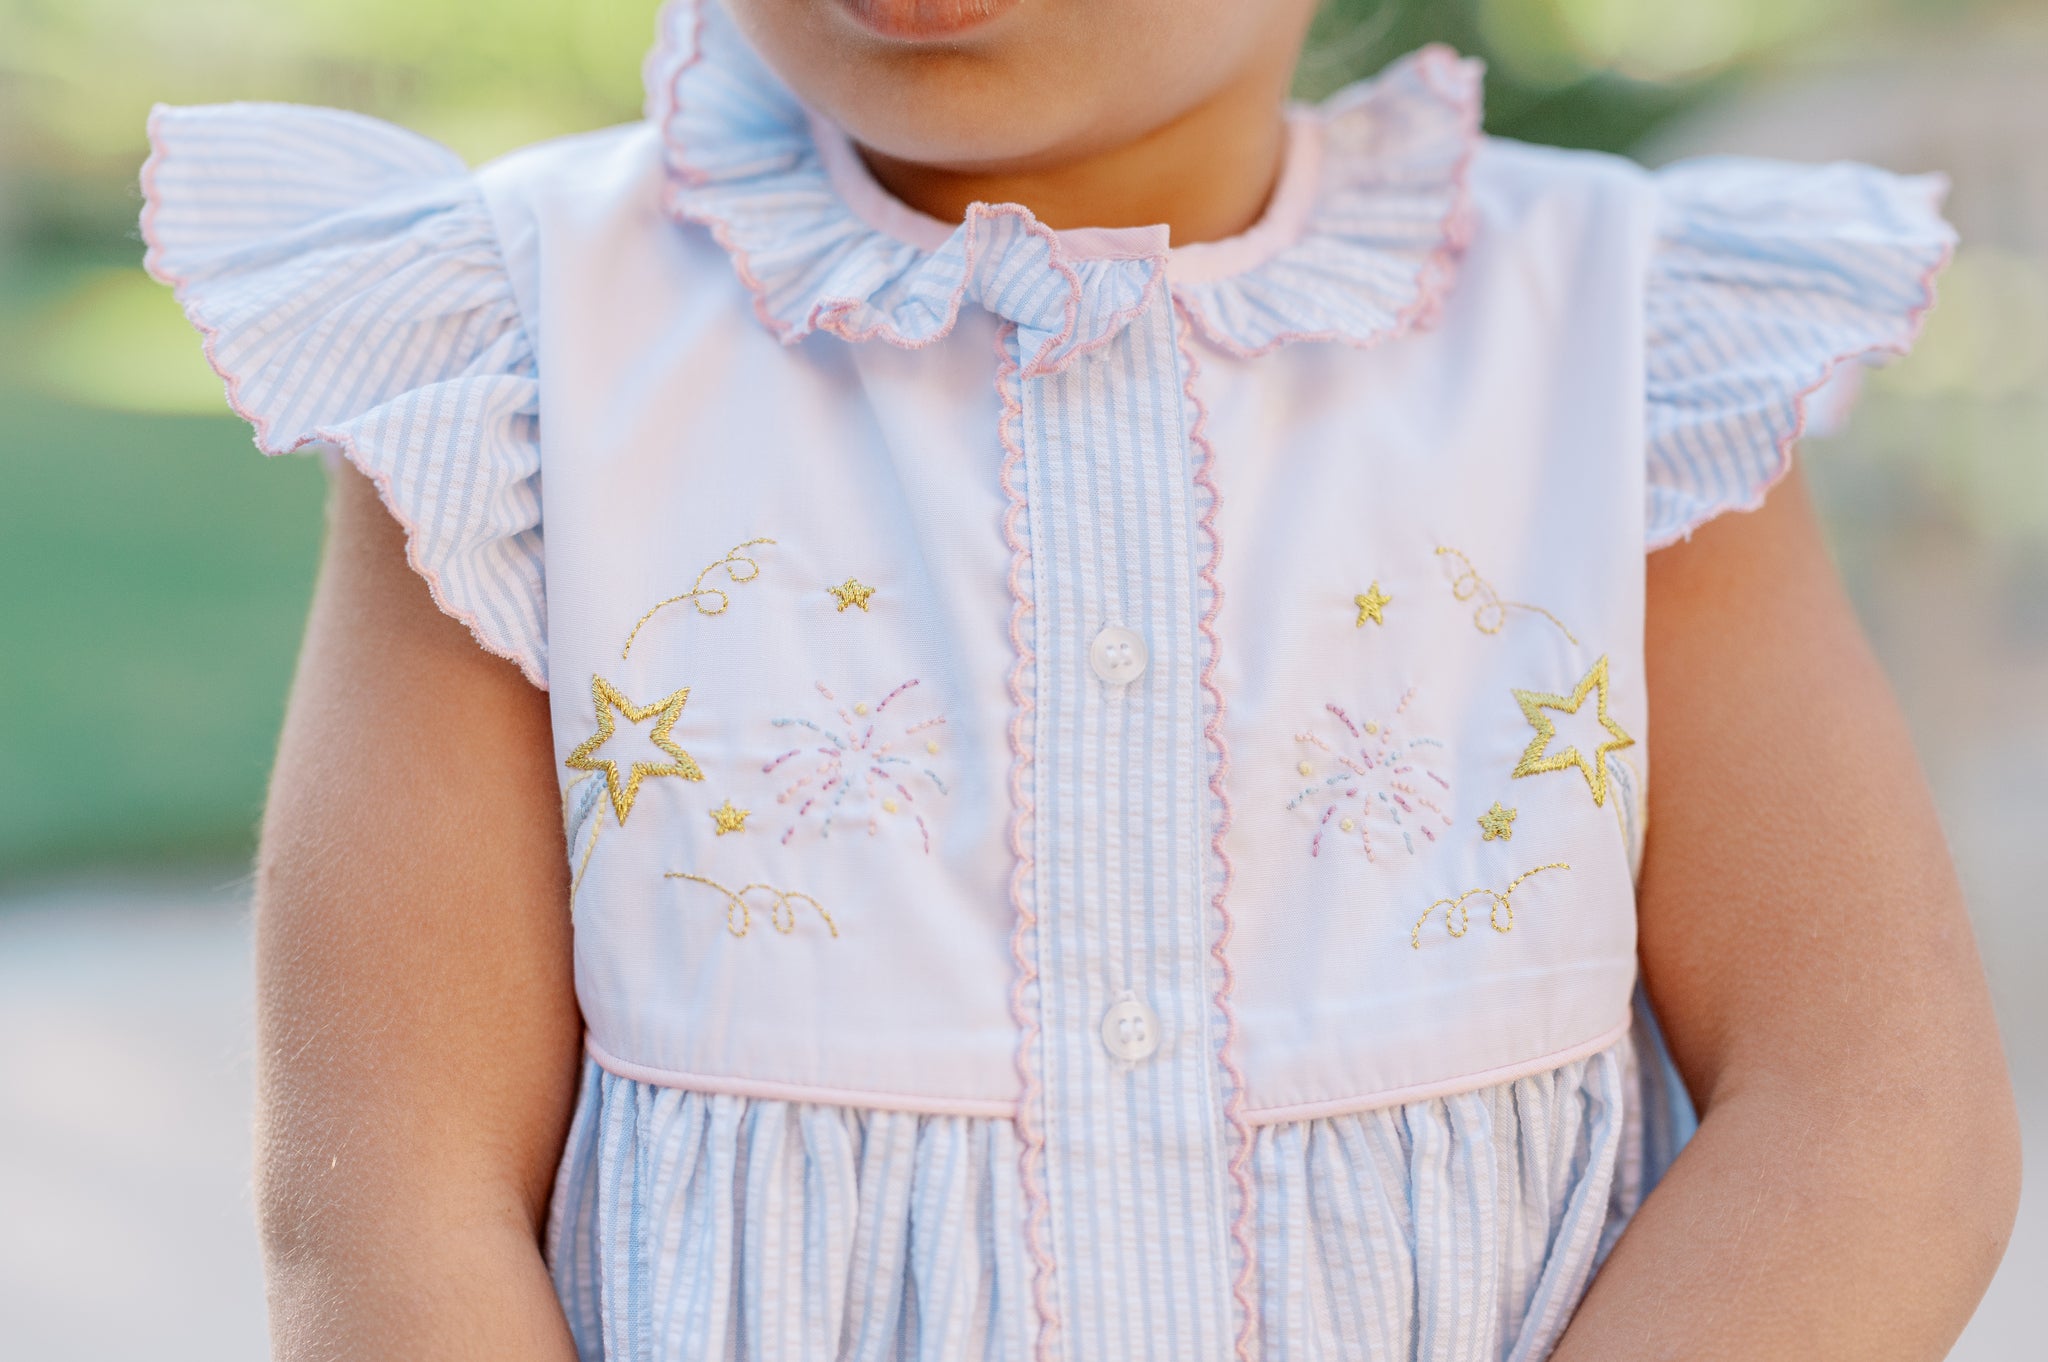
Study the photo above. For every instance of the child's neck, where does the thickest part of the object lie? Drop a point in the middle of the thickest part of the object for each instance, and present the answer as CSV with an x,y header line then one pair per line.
x,y
1207,174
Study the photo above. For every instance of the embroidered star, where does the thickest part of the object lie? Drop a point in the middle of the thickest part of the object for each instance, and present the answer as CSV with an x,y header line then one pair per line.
x,y
624,789
730,819
1370,605
852,593
1536,759
1497,822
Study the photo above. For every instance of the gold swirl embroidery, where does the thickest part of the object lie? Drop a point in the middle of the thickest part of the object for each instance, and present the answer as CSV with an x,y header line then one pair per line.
x,y
1503,902
781,908
735,558
1491,614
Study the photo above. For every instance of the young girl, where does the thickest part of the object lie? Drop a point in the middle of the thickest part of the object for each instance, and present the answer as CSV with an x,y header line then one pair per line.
x,y
1094,639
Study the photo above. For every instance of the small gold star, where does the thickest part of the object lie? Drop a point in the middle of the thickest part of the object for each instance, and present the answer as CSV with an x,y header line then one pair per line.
x,y
1370,605
852,593
730,819
1535,761
607,699
1497,822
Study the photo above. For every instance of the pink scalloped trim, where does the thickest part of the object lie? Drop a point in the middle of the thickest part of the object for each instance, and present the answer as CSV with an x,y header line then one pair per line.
x,y
1454,80
1030,1136
1219,950
1915,321
209,335
830,314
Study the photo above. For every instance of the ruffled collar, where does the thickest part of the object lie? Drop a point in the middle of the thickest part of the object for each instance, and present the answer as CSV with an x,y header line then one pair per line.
x,y
1359,243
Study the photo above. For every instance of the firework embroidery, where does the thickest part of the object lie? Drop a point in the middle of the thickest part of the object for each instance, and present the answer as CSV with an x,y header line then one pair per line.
x,y
1370,780
864,768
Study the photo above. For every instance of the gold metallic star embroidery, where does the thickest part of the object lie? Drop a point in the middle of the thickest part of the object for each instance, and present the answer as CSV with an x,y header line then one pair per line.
x,y
1370,605
1535,760
606,698
730,819
852,593
1497,823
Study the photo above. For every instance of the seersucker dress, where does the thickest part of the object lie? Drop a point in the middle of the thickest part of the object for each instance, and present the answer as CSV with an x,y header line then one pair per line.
x,y
358,292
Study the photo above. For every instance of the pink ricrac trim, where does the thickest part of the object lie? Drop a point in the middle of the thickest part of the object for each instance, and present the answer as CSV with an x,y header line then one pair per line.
x,y
154,261
1915,321
918,1103
1219,950
1423,1092
1023,945
1456,81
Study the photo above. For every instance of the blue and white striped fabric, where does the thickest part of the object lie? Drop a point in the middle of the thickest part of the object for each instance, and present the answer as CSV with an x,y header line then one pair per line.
x,y
717,1228
1766,279
347,279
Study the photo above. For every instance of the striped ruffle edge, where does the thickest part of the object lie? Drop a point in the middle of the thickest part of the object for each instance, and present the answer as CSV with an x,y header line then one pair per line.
x,y
1766,279
347,281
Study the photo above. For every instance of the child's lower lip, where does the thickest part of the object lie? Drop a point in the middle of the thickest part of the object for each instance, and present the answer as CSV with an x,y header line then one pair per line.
x,y
923,20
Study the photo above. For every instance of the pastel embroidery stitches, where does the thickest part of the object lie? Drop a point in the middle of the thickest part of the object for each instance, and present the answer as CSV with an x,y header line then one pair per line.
x,y
1501,916
1538,758
1368,781
851,593
780,905
859,766
1372,605
626,788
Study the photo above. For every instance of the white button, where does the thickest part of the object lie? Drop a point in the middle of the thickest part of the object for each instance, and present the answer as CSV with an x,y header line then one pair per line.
x,y
1130,1030
1119,655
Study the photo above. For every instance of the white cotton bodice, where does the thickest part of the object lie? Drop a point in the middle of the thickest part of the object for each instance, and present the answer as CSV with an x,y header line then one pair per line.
x,y
872,744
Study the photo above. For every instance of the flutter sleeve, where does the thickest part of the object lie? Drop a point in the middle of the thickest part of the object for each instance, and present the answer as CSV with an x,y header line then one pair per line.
x,y
347,281
1767,283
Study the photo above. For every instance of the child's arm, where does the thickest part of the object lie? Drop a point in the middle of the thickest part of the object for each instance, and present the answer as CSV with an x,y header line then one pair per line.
x,y
418,1032
1856,1170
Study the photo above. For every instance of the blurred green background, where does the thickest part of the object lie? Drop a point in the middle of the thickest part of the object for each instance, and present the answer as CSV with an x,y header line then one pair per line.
x,y
154,573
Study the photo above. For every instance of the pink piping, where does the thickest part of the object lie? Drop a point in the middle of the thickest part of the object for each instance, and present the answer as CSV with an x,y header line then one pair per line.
x,y
1915,320
1030,1135
830,314
1288,1112
1233,1104
153,261
1454,79
770,1091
